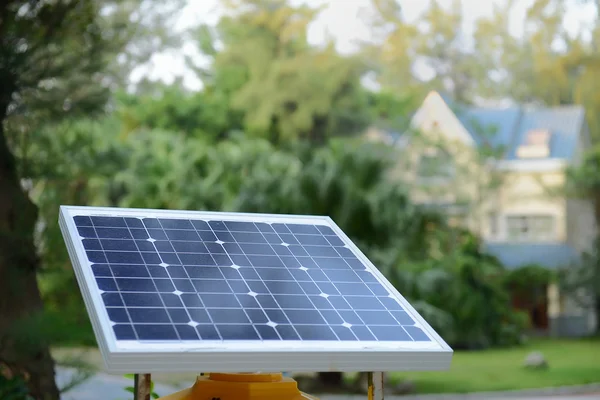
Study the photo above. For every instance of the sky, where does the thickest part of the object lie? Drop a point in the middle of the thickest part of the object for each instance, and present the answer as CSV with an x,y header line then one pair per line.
x,y
344,20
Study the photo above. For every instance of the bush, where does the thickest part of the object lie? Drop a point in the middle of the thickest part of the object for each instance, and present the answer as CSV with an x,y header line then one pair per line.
x,y
462,295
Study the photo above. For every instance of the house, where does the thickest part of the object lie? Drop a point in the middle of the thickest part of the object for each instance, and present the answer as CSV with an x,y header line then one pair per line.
x,y
500,171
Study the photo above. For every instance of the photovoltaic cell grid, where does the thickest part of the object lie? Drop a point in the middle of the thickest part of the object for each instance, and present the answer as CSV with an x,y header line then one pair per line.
x,y
165,279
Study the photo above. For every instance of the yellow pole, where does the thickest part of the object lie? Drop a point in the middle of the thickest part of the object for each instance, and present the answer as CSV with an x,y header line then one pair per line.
x,y
375,381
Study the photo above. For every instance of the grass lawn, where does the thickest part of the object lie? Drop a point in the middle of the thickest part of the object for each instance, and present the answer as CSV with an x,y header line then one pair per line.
x,y
571,362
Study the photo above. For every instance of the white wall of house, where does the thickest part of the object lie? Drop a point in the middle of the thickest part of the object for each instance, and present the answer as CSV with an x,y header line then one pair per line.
x,y
524,200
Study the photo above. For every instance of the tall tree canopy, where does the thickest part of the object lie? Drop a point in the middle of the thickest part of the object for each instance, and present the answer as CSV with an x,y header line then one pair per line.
x,y
429,53
548,64
57,58
286,88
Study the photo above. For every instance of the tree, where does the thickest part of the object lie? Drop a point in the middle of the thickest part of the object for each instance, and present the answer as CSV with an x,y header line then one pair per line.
x,y
442,45
286,89
391,57
173,108
436,40
547,64
56,58
505,57
460,291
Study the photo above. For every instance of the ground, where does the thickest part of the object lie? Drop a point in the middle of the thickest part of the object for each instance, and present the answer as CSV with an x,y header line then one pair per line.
x,y
571,362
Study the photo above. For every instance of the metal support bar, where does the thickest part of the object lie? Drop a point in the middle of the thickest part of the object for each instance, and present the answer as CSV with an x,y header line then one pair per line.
x,y
141,386
375,380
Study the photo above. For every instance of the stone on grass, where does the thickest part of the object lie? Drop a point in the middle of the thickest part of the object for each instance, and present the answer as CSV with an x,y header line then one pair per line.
x,y
535,360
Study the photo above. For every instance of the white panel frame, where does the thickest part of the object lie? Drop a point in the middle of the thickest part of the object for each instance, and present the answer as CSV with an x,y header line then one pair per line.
x,y
244,356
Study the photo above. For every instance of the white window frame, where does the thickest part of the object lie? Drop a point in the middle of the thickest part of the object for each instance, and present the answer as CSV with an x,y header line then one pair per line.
x,y
549,236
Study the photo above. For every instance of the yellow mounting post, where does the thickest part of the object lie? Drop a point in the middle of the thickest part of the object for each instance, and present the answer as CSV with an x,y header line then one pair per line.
x,y
241,386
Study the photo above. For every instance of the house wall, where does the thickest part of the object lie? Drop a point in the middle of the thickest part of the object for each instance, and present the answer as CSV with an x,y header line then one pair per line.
x,y
581,224
524,193
566,317
581,230
581,227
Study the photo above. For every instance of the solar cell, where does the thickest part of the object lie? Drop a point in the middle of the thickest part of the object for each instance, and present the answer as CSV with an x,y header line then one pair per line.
x,y
155,280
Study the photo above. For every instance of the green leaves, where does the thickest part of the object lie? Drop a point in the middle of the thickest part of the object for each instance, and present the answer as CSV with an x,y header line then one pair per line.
x,y
13,388
285,88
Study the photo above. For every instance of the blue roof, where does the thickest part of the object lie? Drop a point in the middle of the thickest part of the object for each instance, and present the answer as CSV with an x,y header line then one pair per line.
x,y
564,123
549,255
493,126
507,128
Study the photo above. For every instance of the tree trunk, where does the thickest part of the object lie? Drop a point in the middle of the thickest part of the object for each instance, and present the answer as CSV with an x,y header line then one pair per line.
x,y
23,350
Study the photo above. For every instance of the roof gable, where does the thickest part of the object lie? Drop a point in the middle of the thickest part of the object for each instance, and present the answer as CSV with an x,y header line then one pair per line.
x,y
507,127
435,113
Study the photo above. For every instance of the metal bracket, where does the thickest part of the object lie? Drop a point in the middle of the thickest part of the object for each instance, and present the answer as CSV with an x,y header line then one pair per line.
x,y
141,386
376,384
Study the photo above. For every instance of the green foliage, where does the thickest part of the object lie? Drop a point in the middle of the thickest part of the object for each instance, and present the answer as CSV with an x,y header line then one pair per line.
x,y
463,294
13,388
529,276
204,114
72,163
286,89
584,179
389,109
582,280
529,283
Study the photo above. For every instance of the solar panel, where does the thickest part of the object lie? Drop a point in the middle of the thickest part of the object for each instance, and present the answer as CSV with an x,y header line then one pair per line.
x,y
231,292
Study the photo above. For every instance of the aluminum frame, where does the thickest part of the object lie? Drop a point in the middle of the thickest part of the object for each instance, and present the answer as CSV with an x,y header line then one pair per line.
x,y
122,356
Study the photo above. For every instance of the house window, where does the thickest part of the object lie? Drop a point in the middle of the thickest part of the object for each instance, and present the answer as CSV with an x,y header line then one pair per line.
x,y
435,163
530,227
